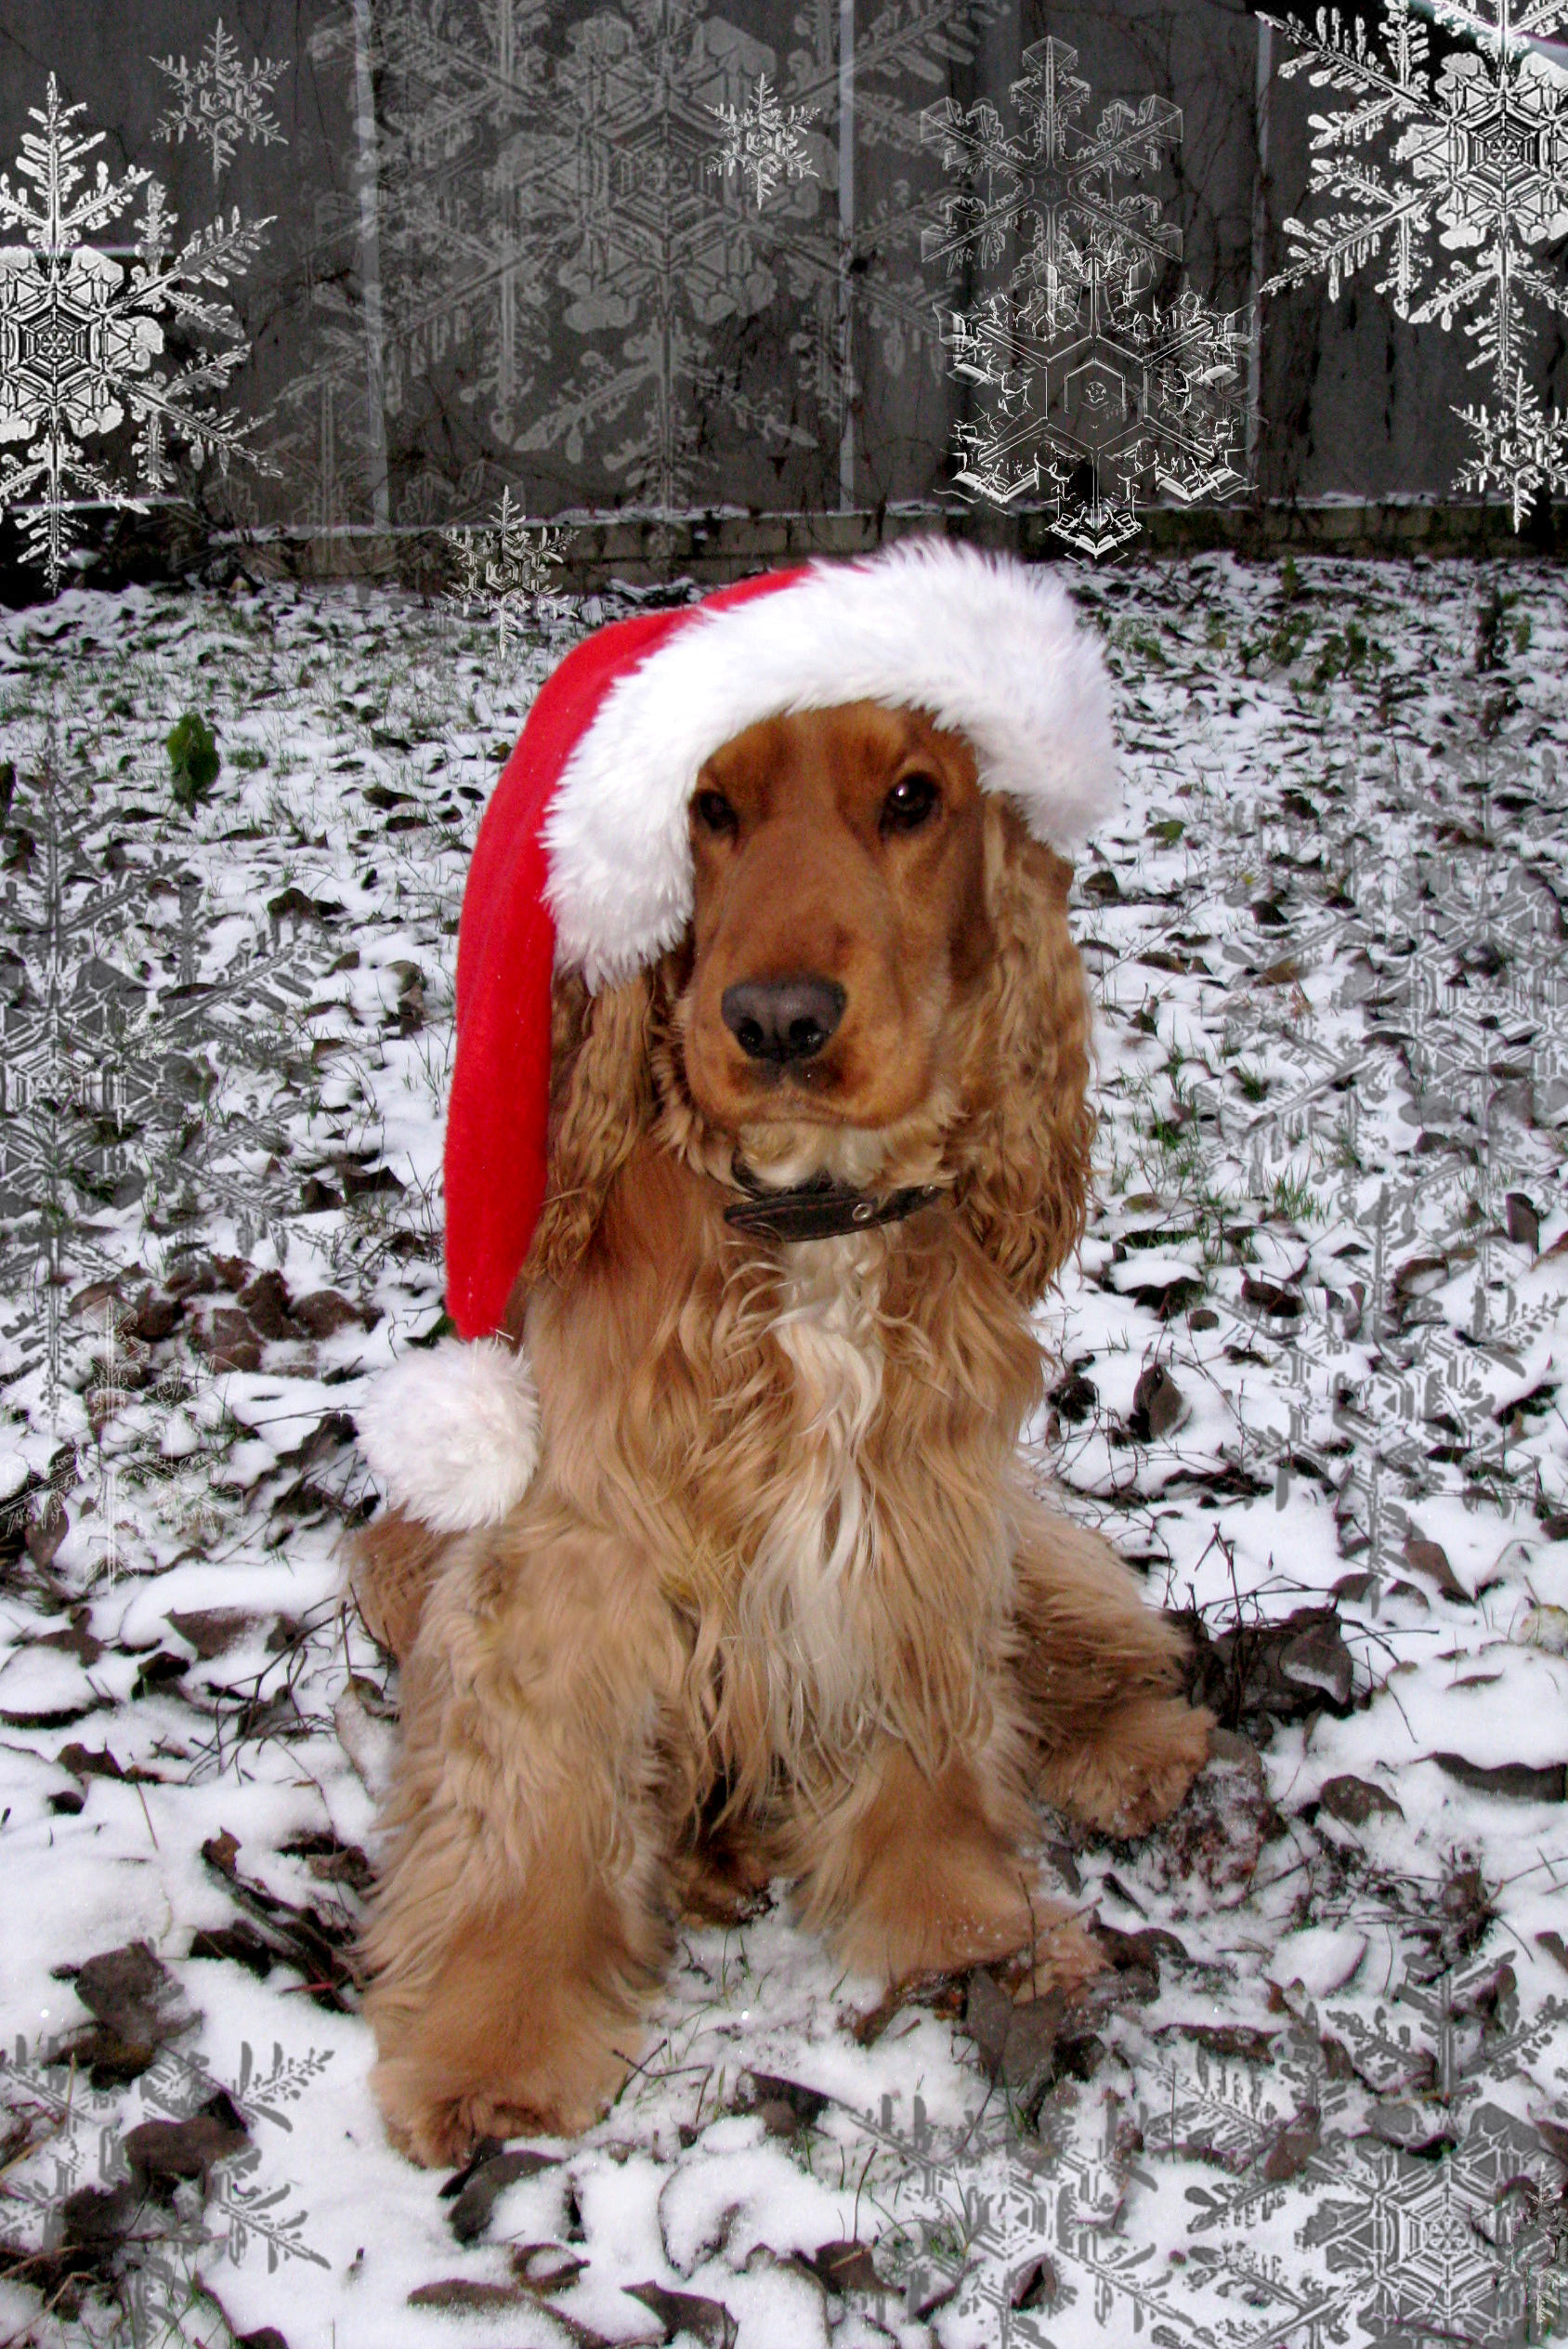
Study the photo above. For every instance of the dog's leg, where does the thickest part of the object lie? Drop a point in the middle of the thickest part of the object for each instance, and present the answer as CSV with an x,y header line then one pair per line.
x,y
523,1908
724,1874
915,1873
392,1565
1096,1669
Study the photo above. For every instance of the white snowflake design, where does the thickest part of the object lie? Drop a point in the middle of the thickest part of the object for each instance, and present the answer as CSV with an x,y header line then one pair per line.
x,y
1479,161
80,333
506,572
1013,2227
219,102
1522,450
1393,1395
118,1086
506,173
1097,387
763,143
1008,2230
73,2136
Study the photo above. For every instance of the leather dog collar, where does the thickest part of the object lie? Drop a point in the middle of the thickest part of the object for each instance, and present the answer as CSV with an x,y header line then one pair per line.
x,y
823,1209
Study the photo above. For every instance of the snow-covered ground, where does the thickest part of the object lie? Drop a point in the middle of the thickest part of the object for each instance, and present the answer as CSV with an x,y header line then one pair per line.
x,y
1309,1382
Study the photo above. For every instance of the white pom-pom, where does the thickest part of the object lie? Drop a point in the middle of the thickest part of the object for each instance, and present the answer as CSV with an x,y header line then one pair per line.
x,y
453,1435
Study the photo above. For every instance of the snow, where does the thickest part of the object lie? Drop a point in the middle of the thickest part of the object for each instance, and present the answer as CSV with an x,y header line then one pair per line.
x,y
1311,1151
1323,1958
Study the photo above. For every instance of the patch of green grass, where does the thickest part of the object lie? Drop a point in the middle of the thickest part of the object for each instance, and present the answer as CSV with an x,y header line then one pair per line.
x,y
194,761
1254,1084
1288,639
1293,1199
1173,1133
1343,654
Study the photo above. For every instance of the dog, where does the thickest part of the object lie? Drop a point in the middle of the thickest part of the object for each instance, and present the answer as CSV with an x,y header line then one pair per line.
x,y
780,1600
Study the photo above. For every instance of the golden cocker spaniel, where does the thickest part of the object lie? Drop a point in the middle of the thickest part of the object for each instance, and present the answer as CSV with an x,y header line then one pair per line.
x,y
779,1601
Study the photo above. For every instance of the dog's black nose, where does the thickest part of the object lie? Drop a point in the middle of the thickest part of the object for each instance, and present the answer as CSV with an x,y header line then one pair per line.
x,y
782,1018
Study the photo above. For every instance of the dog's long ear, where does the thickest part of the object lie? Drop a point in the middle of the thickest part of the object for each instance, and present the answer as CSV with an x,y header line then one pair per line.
x,y
1022,1152
601,1101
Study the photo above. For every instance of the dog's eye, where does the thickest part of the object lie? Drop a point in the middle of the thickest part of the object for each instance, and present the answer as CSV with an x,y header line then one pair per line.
x,y
714,813
908,805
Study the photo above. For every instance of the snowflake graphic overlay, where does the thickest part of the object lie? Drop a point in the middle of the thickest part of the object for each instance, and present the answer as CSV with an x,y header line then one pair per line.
x,y
1006,2229
1092,380
1522,450
219,102
1442,1052
1478,160
1383,2188
1473,2236
970,2218
507,173
80,333
68,2140
763,143
1414,2212
124,1096
648,248
505,575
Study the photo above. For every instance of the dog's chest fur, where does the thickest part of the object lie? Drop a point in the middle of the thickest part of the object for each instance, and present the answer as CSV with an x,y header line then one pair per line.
x,y
805,1594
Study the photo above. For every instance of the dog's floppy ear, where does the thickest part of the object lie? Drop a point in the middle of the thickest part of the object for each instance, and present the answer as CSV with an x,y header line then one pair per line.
x,y
1022,1152
601,1101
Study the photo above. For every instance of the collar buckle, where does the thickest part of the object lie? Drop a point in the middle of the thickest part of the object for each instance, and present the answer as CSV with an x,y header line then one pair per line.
x,y
821,1209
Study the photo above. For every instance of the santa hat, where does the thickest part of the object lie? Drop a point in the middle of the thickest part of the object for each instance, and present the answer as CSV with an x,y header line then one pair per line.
x,y
583,862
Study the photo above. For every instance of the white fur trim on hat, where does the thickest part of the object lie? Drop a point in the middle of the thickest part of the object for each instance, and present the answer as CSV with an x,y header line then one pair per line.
x,y
992,649
453,1435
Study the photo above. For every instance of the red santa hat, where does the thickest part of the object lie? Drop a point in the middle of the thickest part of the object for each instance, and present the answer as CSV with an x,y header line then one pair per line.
x,y
583,862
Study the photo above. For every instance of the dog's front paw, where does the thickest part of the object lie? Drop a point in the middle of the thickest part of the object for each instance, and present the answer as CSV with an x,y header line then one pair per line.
x,y
439,2125
1135,1771
1064,1958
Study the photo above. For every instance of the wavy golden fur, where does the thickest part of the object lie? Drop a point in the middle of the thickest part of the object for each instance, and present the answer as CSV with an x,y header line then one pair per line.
x,y
780,1600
